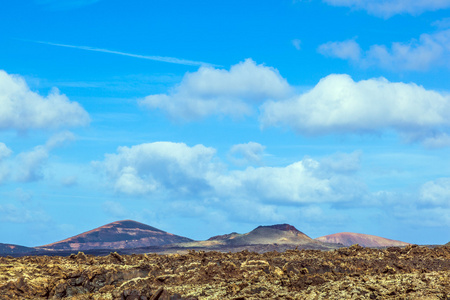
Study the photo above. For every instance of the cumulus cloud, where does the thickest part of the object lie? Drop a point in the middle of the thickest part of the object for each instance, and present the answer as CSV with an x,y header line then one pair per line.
x,y
211,91
250,153
386,9
436,193
164,167
337,104
150,167
24,109
192,177
302,182
429,50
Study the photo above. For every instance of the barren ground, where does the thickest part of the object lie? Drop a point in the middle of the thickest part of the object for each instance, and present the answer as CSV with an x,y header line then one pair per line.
x,y
347,273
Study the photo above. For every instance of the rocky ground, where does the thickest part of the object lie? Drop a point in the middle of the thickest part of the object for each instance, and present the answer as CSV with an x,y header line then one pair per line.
x,y
346,273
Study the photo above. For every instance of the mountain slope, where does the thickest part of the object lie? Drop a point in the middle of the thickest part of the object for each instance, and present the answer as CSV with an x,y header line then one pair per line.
x,y
117,235
365,240
275,234
283,234
10,249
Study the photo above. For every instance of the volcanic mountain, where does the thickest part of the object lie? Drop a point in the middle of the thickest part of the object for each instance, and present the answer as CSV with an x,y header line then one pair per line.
x,y
117,235
275,234
267,235
365,240
10,249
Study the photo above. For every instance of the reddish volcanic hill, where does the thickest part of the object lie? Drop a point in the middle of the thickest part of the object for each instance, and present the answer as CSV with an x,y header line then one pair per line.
x,y
365,240
117,235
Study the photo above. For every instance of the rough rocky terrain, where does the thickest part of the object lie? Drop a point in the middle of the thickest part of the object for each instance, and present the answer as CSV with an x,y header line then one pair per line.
x,y
412,272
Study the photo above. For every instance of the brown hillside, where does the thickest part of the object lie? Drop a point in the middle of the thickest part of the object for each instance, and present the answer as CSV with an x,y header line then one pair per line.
x,y
117,235
10,249
365,240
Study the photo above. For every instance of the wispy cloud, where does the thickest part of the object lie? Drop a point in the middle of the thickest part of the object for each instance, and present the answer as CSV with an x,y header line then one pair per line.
x,y
172,60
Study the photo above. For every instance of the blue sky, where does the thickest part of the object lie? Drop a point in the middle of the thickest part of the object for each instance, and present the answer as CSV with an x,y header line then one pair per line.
x,y
206,117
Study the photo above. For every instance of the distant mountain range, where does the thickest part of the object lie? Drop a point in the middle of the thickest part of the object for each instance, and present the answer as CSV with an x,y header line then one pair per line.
x,y
129,236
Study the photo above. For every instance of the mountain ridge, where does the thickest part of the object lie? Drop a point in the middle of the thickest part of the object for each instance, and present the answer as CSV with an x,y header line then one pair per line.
x,y
129,236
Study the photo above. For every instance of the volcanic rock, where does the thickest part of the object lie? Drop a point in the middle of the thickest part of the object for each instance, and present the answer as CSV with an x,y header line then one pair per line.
x,y
365,240
117,235
410,272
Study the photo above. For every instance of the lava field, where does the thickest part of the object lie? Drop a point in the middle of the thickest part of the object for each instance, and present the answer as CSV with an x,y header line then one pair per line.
x,y
412,272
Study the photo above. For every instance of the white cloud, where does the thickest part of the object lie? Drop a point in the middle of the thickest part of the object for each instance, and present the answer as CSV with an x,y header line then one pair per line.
x,y
211,91
344,50
250,153
430,50
29,165
165,168
152,167
302,182
59,139
4,151
337,104
436,193
24,109
386,9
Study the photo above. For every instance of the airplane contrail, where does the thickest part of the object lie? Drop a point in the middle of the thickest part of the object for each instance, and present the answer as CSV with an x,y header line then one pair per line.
x,y
172,60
